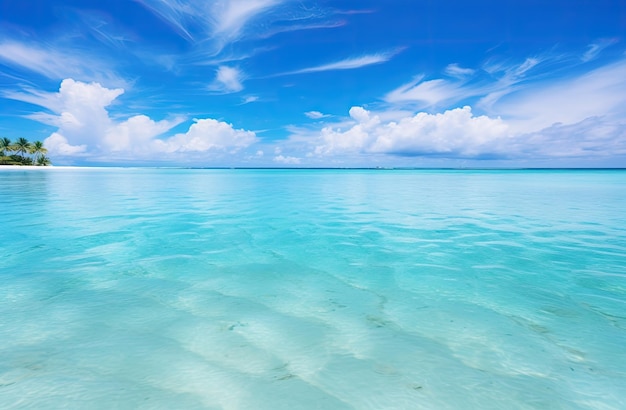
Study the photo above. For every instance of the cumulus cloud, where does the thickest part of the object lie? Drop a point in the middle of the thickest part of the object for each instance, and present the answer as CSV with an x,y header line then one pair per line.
x,y
579,117
455,132
136,133
57,144
86,128
459,134
79,110
206,135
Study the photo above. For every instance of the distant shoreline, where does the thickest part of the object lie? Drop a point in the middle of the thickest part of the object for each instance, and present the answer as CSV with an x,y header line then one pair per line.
x,y
104,167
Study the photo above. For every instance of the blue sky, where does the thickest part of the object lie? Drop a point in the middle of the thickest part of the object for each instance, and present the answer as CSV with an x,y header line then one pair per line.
x,y
317,83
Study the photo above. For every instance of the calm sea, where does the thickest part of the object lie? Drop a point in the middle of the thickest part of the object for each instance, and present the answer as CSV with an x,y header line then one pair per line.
x,y
312,289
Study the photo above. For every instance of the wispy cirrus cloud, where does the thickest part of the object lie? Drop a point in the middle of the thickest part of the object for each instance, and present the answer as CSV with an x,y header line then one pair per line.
x,y
57,63
454,70
346,64
175,13
299,27
465,83
212,24
316,115
356,11
219,31
231,16
101,27
594,49
248,99
428,93
539,105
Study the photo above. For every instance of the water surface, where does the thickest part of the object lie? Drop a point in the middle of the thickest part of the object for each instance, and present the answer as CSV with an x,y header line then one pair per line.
x,y
312,289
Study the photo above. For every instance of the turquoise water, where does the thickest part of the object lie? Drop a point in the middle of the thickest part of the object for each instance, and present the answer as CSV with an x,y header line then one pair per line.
x,y
312,289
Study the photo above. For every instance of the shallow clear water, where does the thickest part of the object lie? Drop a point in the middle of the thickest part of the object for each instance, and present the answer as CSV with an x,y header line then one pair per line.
x,y
325,289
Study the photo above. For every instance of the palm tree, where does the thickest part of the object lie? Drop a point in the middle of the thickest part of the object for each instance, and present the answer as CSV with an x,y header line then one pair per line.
x,y
21,146
38,150
5,145
43,160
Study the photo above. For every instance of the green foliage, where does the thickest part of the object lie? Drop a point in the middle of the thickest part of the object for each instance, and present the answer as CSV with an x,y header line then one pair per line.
x,y
4,160
43,161
17,153
21,146
5,145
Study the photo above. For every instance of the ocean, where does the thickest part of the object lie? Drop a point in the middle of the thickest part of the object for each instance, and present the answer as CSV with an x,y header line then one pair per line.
x,y
138,288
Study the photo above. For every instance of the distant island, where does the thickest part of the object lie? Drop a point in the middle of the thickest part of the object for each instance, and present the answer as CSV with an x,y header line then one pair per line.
x,y
23,152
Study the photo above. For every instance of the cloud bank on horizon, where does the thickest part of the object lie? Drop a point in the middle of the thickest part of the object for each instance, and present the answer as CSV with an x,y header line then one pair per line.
x,y
284,83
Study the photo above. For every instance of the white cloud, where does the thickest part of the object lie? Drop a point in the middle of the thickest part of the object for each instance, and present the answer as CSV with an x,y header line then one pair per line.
x,y
594,49
85,128
298,27
439,93
590,138
227,80
510,73
175,13
455,132
347,64
231,16
454,70
212,24
79,111
250,99
35,97
458,133
206,135
56,63
316,115
598,93
578,117
135,134
360,114
527,65
288,160
428,93
57,144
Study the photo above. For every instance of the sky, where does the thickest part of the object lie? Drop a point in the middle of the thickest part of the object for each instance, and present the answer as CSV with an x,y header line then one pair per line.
x,y
286,83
